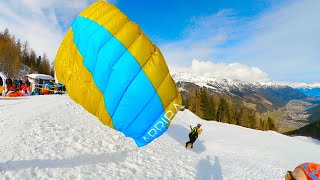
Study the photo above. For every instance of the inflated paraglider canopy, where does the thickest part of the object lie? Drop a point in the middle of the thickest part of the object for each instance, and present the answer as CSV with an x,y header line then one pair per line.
x,y
112,69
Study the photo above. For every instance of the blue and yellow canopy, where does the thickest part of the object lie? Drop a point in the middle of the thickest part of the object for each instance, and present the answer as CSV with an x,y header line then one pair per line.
x,y
112,69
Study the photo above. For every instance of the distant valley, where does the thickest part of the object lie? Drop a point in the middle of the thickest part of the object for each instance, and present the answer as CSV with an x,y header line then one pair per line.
x,y
290,107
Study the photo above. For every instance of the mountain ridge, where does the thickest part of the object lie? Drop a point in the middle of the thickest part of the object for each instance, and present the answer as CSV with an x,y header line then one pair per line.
x,y
265,96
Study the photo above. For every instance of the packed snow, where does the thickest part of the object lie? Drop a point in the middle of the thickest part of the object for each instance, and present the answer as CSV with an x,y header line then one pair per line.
x,y
51,137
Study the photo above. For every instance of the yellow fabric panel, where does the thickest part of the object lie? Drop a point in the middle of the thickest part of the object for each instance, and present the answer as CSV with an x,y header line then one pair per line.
x,y
167,91
95,97
75,65
78,80
62,72
156,68
99,9
107,15
173,106
128,33
103,115
1,89
141,49
92,8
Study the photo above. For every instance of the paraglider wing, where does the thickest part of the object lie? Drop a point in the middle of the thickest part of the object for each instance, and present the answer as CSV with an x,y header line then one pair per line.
x,y
112,69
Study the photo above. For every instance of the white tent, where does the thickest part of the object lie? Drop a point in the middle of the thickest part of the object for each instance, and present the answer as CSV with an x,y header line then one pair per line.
x,y
35,78
40,76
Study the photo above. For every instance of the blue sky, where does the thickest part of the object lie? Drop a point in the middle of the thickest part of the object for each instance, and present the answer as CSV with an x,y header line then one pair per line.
x,y
167,20
251,40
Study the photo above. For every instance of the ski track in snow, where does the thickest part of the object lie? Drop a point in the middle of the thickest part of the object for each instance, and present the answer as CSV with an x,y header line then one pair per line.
x,y
51,137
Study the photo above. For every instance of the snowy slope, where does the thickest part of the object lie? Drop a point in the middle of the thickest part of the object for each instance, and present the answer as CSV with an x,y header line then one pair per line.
x,y
50,137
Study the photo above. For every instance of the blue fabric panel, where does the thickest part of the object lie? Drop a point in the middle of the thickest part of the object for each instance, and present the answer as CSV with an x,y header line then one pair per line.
x,y
159,127
138,94
130,97
83,30
107,57
78,26
95,43
122,74
145,119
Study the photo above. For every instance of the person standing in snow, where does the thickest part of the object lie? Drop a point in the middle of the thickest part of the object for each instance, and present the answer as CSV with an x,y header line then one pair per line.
x,y
193,135
9,82
1,84
306,171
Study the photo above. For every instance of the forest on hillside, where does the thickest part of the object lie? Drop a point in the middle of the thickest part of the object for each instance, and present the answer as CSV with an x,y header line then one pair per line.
x,y
15,56
213,108
311,130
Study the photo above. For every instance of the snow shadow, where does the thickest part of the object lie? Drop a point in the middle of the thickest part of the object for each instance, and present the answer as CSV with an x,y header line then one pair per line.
x,y
315,141
205,170
312,140
80,160
181,135
13,98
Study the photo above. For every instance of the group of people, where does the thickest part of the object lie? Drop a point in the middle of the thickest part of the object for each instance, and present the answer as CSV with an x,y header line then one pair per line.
x,y
19,87
15,86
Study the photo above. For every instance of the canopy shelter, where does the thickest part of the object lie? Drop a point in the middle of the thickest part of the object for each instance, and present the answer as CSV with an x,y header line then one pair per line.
x,y
38,79
33,77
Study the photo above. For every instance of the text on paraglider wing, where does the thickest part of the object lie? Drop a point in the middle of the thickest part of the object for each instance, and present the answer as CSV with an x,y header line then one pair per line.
x,y
162,124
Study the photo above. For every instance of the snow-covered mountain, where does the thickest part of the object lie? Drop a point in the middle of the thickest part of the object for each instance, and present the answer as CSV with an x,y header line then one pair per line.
x,y
312,90
220,84
306,85
51,137
267,96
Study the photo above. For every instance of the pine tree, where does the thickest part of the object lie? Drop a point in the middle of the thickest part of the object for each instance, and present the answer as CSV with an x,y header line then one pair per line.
x,y
44,65
262,125
233,115
223,111
19,48
258,121
197,103
6,33
271,124
252,120
185,102
52,70
212,109
25,54
204,104
243,117
38,62
32,60
9,54
220,111
226,118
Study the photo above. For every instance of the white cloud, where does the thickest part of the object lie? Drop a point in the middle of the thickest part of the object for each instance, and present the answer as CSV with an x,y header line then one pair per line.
x,y
283,41
39,22
201,39
226,71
